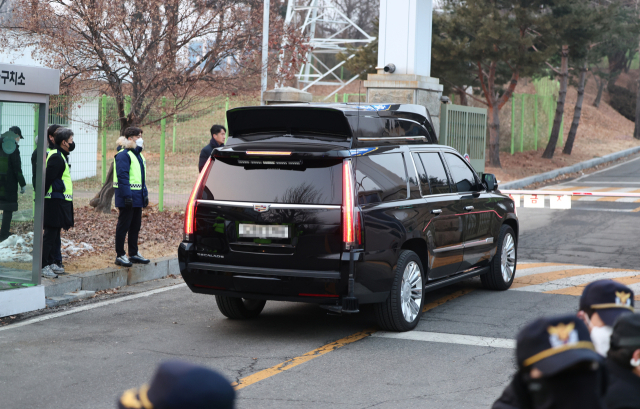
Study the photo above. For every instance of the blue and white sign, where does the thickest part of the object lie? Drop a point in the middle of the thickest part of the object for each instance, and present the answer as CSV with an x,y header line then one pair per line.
x,y
380,107
361,151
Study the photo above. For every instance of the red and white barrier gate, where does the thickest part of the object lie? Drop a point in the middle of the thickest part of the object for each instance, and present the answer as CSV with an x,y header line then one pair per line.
x,y
558,199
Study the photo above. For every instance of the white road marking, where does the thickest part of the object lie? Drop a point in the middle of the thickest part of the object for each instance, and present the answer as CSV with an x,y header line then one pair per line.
x,y
545,269
575,281
90,307
448,338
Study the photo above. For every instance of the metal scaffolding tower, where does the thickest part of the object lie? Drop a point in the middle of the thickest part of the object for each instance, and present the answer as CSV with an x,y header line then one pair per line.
x,y
309,14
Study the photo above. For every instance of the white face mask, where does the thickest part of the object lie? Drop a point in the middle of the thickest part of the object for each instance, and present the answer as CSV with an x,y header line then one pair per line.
x,y
139,142
601,336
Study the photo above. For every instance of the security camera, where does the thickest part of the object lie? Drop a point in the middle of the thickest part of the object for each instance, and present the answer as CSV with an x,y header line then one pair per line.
x,y
390,68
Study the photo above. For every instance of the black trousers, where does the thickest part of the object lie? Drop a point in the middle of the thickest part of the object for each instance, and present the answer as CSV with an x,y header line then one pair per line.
x,y
6,223
50,245
129,221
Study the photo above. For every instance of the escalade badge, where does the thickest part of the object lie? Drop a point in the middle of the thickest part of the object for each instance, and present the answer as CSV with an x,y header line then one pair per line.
x,y
261,208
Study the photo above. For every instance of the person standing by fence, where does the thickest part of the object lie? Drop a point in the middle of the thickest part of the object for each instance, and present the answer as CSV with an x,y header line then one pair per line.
x,y
218,135
58,203
129,174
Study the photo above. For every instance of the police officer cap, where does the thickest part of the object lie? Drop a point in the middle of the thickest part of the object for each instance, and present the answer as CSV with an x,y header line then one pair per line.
x,y
181,385
608,298
16,131
554,344
626,332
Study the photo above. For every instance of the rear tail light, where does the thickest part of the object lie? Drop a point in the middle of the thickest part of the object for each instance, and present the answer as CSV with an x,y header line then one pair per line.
x,y
190,212
351,226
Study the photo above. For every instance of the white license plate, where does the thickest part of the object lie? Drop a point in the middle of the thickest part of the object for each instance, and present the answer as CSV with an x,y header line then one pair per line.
x,y
264,232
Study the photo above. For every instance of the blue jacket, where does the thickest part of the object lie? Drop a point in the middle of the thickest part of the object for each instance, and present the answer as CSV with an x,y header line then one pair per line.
x,y
123,164
206,152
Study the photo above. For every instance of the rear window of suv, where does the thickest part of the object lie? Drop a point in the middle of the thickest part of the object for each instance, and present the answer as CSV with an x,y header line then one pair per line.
x,y
320,183
381,178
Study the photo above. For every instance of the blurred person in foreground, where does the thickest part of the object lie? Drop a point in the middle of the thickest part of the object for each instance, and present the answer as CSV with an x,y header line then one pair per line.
x,y
129,182
601,303
218,135
58,267
181,385
623,363
11,178
58,199
558,367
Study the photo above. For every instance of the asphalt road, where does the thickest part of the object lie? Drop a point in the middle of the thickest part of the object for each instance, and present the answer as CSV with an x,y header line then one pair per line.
x,y
87,358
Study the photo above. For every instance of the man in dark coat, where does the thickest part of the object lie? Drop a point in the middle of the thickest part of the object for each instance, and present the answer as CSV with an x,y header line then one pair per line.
x,y
623,362
10,177
58,199
58,267
129,182
218,135
558,368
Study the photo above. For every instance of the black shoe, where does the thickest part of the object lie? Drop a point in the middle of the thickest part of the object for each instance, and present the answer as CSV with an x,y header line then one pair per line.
x,y
138,259
123,261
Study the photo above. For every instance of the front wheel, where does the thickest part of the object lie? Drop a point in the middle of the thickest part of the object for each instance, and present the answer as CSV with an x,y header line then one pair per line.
x,y
503,266
403,308
239,308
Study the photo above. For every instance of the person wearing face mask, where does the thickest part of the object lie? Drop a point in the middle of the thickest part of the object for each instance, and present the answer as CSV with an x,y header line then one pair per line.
x,y
58,198
10,178
623,363
129,175
601,303
57,267
558,368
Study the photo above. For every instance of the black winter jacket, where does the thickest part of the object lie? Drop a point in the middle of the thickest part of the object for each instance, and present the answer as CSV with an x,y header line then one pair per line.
x,y
624,388
58,213
206,152
10,177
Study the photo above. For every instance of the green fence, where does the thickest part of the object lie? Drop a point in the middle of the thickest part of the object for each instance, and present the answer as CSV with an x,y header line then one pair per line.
x,y
465,129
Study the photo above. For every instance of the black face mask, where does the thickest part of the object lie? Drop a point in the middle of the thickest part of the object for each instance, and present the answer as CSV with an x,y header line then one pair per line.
x,y
579,388
72,146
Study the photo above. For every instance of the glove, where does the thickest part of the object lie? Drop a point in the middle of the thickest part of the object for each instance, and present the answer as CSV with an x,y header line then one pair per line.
x,y
145,201
128,202
22,189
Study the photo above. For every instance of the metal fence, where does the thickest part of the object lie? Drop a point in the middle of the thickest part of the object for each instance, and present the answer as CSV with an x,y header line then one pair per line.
x,y
465,129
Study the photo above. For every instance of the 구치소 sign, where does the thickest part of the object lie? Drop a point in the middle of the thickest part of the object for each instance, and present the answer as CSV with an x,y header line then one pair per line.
x,y
33,80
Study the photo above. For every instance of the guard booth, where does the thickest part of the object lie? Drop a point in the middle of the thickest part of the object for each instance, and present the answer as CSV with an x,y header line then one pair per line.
x,y
24,107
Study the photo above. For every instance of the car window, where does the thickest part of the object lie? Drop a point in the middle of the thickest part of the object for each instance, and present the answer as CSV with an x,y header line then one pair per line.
x,y
414,190
422,174
463,177
381,178
436,174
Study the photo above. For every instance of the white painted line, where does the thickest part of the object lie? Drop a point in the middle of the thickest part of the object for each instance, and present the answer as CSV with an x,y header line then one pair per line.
x,y
626,200
545,269
575,281
595,209
589,199
603,183
91,307
448,338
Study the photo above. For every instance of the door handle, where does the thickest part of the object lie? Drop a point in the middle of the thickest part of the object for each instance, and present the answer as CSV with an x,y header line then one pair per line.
x,y
468,208
436,211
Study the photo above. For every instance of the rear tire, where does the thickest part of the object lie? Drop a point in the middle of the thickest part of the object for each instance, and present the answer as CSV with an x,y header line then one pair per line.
x,y
239,308
503,265
403,308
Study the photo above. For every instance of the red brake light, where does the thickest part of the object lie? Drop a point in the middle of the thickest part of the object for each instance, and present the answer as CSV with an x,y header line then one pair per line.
x,y
190,212
348,234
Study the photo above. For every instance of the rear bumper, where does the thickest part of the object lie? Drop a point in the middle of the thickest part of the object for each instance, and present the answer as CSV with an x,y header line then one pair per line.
x,y
311,286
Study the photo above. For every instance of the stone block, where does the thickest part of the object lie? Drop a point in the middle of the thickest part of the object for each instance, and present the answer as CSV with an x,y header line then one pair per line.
x,y
104,279
382,95
174,267
429,100
286,95
21,300
436,125
63,284
145,272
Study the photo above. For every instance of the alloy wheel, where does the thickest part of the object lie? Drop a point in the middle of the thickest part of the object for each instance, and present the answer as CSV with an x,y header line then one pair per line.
x,y
411,291
508,258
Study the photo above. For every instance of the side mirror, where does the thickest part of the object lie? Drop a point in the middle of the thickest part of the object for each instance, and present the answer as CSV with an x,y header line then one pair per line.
x,y
490,181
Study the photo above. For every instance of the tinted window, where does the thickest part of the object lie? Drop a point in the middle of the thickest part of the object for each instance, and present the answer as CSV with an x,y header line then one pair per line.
x,y
414,190
422,174
436,174
463,177
381,178
321,184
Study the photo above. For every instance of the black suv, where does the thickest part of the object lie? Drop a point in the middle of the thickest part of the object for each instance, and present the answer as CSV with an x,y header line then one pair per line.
x,y
342,205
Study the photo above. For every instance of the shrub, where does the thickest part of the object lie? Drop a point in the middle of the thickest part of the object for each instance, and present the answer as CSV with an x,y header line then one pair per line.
x,y
623,100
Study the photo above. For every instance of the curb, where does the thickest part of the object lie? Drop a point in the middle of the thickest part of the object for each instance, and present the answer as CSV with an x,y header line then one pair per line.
x,y
66,286
520,183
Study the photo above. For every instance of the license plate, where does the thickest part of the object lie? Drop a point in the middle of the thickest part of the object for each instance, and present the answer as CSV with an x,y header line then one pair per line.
x,y
264,232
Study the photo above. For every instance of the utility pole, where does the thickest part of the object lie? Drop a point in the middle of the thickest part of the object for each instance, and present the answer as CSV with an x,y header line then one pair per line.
x,y
265,50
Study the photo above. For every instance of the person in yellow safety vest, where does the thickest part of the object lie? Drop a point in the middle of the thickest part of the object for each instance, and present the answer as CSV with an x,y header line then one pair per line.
x,y
58,198
129,182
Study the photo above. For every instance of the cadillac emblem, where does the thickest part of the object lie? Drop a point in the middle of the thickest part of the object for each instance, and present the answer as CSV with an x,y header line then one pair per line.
x,y
261,208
